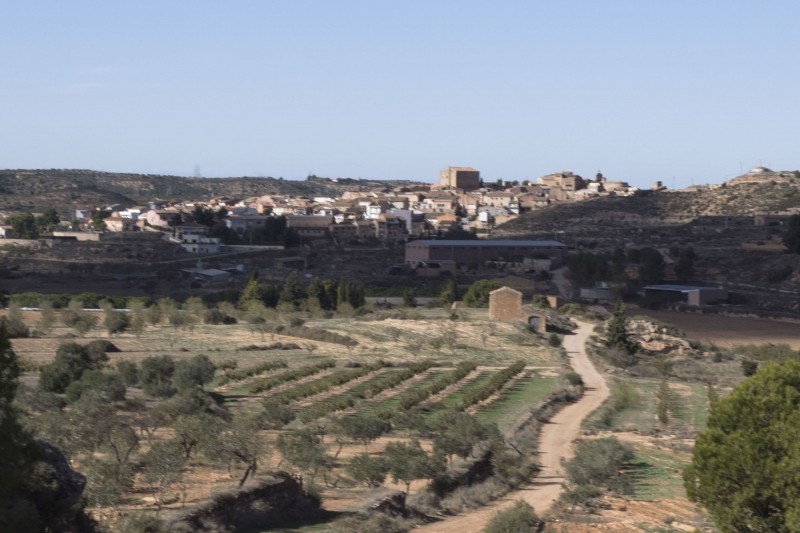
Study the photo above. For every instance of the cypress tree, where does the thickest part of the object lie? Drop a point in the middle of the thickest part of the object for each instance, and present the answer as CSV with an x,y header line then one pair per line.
x,y
617,330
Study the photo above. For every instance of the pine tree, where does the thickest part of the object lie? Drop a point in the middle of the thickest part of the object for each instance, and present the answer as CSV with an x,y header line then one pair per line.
x,y
316,295
450,293
409,300
292,292
662,402
252,292
330,288
617,332
356,296
342,293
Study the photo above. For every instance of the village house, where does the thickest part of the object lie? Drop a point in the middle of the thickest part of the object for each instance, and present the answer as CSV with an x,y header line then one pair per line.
x,y
115,223
445,204
310,226
390,228
498,199
538,197
162,218
343,233
397,202
242,223
132,213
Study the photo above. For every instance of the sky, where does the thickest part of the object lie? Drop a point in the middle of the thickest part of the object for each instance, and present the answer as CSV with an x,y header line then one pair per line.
x,y
686,92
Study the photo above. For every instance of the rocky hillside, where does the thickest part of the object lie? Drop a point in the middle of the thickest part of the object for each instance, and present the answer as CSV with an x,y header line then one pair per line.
x,y
34,190
662,208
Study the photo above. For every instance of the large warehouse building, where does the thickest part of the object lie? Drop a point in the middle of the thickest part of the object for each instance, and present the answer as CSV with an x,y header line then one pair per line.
x,y
687,293
477,251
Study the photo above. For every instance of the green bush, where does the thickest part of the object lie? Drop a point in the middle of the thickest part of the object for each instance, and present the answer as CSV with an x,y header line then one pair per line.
x,y
70,362
574,379
110,387
581,495
749,367
477,294
156,376
599,462
194,372
15,328
519,518
129,372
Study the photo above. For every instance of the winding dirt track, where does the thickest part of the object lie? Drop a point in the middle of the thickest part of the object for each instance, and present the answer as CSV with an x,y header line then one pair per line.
x,y
555,443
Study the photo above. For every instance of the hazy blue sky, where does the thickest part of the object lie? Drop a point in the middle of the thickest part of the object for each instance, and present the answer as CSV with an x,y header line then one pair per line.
x,y
679,91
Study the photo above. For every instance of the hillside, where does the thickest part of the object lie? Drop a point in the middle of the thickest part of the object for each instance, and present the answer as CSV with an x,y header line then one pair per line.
x,y
713,222
33,190
662,208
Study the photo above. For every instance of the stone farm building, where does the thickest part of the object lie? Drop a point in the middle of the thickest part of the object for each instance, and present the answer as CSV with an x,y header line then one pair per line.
x,y
478,251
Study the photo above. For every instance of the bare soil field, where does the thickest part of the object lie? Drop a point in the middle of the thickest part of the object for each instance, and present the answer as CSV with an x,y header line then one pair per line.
x,y
729,331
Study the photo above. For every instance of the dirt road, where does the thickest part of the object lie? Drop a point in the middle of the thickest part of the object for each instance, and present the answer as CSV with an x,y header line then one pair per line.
x,y
555,443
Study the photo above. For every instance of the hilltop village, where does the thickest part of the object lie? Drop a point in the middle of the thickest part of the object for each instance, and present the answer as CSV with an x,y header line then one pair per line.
x,y
460,203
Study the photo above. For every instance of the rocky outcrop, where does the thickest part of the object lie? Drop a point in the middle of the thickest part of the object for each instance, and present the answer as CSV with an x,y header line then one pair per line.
x,y
277,501
389,502
655,338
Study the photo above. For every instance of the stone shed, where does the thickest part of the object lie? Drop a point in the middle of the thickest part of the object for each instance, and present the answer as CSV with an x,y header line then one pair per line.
x,y
505,303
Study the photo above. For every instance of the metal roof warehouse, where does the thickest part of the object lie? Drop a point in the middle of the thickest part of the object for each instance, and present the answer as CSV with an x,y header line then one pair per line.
x,y
480,250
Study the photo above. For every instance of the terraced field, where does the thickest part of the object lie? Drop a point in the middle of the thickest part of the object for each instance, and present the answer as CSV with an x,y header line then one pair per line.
x,y
393,369
516,401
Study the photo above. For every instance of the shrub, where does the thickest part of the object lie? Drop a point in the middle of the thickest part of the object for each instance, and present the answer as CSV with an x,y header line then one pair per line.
x,y
599,462
97,349
581,495
15,327
519,518
574,379
276,415
618,357
108,386
194,372
216,316
70,362
749,367
477,294
156,376
129,372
